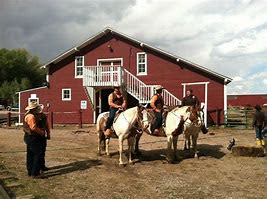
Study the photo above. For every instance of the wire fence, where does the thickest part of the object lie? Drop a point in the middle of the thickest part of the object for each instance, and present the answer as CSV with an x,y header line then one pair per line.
x,y
54,118
235,117
241,117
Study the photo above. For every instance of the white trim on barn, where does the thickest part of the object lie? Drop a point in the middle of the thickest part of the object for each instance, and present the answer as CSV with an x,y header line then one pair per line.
x,y
62,92
225,101
206,97
137,64
110,59
32,89
80,66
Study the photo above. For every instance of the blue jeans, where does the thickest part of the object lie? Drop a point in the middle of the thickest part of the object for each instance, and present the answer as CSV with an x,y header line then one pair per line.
x,y
158,121
112,114
259,134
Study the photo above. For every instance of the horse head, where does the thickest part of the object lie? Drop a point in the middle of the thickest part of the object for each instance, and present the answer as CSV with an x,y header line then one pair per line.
x,y
195,115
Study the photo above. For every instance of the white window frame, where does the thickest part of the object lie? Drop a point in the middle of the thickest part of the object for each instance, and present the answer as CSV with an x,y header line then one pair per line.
x,y
33,98
78,76
137,64
62,94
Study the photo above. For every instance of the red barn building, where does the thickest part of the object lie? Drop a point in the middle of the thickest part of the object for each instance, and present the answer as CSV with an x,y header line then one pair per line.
x,y
247,100
82,78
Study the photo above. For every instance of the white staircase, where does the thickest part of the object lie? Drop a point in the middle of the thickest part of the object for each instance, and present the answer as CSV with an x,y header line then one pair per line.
x,y
107,76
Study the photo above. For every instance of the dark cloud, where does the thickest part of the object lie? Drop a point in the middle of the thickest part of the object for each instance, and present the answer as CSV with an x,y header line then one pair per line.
x,y
47,28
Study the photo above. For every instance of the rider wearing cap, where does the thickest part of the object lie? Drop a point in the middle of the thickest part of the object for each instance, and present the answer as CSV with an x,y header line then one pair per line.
x,y
157,105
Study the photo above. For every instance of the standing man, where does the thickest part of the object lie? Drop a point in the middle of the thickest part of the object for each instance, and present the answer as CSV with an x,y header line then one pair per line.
x,y
258,124
191,100
116,102
33,138
43,124
157,105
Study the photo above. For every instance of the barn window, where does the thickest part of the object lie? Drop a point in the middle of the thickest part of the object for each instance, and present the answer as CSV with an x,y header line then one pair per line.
x,y
33,98
79,63
66,94
141,63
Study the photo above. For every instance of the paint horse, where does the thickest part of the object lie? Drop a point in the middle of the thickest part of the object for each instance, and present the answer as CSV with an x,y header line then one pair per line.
x,y
125,127
179,120
192,127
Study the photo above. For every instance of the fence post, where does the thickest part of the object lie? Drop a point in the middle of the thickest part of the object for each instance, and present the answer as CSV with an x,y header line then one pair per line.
x,y
51,120
9,119
246,119
80,119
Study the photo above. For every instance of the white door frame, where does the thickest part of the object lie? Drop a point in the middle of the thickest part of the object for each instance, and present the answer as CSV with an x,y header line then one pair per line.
x,y
206,97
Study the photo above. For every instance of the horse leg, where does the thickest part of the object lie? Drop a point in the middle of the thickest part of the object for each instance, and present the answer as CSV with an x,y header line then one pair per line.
x,y
99,143
169,148
186,142
107,146
120,149
136,148
194,140
101,139
174,141
130,148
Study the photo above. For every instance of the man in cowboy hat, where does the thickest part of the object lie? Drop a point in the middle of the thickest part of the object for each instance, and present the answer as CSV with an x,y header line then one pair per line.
x,y
116,102
157,104
33,139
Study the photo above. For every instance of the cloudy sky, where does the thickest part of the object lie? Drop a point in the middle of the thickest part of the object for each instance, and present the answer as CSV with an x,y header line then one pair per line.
x,y
227,36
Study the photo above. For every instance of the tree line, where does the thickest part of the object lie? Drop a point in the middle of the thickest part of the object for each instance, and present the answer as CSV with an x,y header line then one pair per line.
x,y
19,70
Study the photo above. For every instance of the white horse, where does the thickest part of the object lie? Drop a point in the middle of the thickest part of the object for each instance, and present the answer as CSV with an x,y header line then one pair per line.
x,y
178,120
124,127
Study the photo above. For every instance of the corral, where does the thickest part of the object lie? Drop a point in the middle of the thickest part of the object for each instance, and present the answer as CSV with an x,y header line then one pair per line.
x,y
77,171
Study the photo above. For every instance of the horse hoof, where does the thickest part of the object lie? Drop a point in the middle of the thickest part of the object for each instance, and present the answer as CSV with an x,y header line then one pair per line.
x,y
197,155
122,165
132,162
98,154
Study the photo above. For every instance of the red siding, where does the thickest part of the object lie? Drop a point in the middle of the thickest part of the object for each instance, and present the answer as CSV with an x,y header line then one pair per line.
x,y
160,70
246,100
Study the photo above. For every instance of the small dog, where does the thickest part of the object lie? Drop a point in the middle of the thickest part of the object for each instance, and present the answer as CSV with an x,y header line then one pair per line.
x,y
231,144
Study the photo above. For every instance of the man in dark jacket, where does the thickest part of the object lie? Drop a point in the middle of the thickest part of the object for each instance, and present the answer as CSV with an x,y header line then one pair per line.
x,y
258,124
191,100
43,124
33,138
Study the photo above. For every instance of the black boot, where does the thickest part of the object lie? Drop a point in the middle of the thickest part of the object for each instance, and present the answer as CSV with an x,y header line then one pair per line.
x,y
204,129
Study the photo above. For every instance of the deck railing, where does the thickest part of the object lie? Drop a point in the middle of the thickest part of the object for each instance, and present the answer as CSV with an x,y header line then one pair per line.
x,y
95,76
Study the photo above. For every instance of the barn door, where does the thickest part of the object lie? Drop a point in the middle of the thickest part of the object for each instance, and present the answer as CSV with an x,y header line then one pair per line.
x,y
200,89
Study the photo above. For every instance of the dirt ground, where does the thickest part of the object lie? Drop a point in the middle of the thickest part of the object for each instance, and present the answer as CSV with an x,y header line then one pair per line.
x,y
78,172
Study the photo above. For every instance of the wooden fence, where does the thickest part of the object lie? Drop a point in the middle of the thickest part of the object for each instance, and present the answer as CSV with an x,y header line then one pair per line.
x,y
239,117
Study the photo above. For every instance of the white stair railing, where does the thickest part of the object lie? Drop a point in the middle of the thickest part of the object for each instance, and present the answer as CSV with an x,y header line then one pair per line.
x,y
97,76
144,92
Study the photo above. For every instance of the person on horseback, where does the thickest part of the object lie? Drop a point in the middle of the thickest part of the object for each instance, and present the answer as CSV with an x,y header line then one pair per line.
x,y
191,100
157,104
116,102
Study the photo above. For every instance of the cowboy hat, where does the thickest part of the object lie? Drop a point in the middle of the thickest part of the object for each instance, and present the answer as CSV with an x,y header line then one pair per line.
x,y
158,87
32,105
